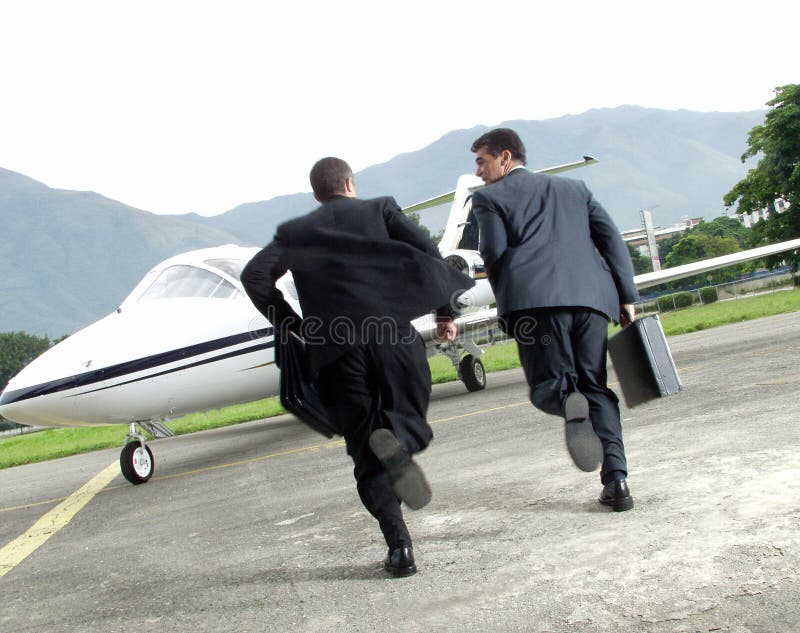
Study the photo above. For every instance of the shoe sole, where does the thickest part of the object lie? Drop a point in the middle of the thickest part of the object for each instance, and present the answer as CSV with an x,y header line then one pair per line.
x,y
401,572
585,448
618,505
408,480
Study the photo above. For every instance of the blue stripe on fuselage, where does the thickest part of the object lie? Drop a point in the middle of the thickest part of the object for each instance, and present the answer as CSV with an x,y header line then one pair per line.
x,y
142,364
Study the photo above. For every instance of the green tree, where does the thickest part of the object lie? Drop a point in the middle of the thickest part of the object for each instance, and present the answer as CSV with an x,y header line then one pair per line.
x,y
666,245
779,227
641,264
721,236
697,246
777,175
17,349
725,226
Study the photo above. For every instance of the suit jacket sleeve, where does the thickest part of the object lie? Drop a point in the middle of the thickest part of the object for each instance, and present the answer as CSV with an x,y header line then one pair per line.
x,y
494,239
401,228
258,279
611,246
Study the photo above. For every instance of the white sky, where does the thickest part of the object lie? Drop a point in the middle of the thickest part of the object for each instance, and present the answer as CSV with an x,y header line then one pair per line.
x,y
179,106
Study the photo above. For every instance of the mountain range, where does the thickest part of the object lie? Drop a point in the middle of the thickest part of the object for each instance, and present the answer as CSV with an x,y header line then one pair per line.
x,y
70,257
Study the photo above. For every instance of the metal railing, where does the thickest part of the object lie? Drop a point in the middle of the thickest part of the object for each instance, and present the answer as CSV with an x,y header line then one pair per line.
x,y
772,282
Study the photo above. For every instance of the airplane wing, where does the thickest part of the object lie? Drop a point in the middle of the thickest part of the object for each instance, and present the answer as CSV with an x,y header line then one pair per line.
x,y
481,321
450,195
647,280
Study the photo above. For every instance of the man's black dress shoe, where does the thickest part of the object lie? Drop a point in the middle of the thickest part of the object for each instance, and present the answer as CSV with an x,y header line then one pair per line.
x,y
617,495
399,562
408,480
583,444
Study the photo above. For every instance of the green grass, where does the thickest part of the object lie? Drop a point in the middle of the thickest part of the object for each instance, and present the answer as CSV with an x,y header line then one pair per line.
x,y
52,443
495,357
732,311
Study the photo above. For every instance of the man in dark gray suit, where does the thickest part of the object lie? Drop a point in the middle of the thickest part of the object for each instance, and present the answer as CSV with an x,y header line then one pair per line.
x,y
560,271
363,271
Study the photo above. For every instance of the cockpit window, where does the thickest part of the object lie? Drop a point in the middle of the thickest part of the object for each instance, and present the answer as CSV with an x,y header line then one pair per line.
x,y
189,281
233,267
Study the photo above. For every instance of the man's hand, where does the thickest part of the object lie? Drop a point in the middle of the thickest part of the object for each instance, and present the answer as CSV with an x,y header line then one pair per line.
x,y
627,314
446,330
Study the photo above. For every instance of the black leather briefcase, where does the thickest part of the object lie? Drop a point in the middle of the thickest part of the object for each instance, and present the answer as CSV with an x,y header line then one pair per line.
x,y
642,361
297,394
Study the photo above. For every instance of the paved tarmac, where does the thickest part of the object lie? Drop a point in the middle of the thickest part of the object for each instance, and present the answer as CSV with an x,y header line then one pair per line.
x,y
259,528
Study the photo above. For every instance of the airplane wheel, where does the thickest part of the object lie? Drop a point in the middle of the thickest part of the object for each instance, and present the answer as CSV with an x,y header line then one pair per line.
x,y
472,373
137,465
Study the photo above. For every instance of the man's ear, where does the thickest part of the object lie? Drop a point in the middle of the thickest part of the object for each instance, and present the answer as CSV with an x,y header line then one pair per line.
x,y
350,185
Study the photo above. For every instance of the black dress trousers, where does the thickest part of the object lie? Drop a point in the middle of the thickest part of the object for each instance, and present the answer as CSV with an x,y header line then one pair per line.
x,y
380,384
564,350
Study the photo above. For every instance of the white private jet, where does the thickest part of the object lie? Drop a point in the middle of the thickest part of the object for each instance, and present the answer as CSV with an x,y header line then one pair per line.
x,y
188,339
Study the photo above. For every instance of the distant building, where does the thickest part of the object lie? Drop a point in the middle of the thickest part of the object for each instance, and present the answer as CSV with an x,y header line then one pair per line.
x,y
749,219
638,237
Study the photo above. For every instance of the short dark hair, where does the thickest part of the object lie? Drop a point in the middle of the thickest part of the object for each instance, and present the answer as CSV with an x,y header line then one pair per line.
x,y
496,141
328,177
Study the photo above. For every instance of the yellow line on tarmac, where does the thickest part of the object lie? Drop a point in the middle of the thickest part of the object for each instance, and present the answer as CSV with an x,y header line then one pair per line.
x,y
472,413
304,449
315,447
20,548
25,506
23,546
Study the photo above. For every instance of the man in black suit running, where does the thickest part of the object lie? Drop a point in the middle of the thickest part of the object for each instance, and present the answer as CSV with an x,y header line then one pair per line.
x,y
362,271
560,271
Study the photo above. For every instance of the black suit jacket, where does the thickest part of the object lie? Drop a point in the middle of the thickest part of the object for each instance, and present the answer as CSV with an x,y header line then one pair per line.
x,y
361,268
547,243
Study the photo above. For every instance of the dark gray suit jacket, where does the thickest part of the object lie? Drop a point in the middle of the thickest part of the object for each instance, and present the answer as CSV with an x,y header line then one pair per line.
x,y
358,266
548,243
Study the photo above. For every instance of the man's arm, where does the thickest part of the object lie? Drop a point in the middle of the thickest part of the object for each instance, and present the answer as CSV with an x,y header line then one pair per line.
x,y
611,246
494,239
258,279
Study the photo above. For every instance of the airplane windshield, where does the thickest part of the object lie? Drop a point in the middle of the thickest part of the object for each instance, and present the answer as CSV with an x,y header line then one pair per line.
x,y
188,281
233,267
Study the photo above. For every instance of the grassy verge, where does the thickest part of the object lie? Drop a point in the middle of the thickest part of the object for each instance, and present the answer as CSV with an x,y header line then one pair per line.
x,y
53,443
732,311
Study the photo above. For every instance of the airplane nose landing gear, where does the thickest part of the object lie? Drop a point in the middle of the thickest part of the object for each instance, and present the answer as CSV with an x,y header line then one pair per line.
x,y
136,462
136,459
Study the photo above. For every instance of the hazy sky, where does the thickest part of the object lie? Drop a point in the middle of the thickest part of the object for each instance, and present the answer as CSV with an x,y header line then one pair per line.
x,y
179,106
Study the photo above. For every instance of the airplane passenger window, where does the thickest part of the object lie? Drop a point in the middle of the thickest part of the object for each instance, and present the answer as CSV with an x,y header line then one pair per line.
x,y
188,281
